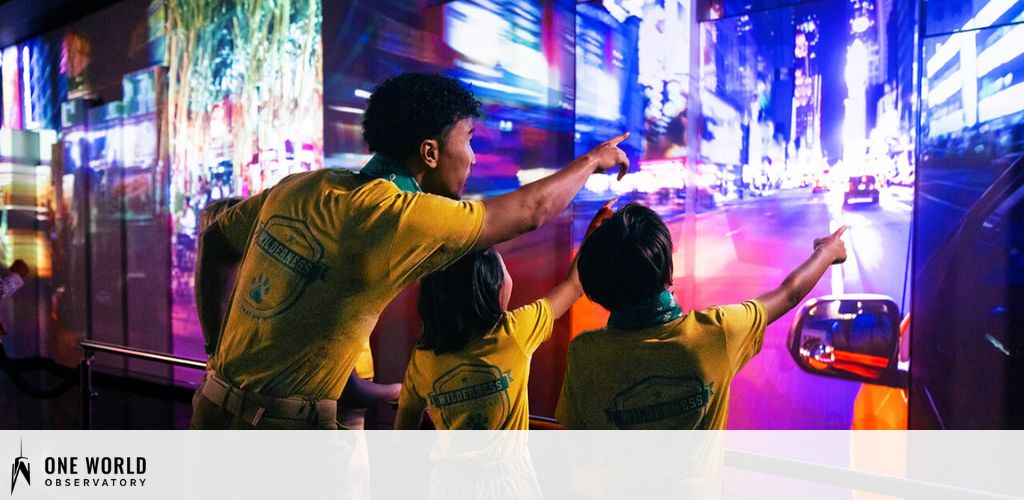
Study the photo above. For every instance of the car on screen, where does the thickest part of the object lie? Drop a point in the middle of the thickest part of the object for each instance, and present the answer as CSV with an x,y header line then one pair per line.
x,y
861,189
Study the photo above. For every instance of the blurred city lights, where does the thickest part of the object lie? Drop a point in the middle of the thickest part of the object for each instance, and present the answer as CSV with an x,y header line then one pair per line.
x,y
854,119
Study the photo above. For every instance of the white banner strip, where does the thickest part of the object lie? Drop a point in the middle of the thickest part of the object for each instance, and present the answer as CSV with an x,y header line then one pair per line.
x,y
514,465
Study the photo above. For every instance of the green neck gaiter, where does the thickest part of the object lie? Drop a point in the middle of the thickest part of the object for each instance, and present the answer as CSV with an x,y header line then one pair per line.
x,y
655,310
383,167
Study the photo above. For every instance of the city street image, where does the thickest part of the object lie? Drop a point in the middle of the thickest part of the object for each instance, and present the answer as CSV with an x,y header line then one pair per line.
x,y
810,131
476,214
552,222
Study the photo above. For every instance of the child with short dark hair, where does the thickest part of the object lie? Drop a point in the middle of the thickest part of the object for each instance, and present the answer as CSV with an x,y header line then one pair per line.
x,y
653,367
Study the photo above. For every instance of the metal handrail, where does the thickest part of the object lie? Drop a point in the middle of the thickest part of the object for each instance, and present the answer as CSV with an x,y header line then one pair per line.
x,y
158,357
91,347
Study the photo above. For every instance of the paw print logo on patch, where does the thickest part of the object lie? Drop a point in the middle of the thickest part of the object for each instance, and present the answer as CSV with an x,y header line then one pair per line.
x,y
259,288
477,421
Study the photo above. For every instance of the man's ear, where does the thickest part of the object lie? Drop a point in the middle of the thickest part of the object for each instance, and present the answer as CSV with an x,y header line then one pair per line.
x,y
430,152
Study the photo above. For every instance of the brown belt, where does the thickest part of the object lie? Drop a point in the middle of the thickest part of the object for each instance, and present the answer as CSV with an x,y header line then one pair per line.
x,y
252,406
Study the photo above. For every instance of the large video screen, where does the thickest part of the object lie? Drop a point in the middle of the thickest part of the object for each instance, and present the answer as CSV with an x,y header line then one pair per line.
x,y
152,132
516,56
807,124
796,118
968,242
972,107
244,106
633,76
87,85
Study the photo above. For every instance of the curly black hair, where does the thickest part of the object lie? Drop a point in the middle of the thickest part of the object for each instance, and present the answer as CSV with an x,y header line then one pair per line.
x,y
409,108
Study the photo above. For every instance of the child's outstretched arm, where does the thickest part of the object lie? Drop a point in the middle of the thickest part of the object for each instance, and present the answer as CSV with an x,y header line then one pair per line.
x,y
827,251
566,293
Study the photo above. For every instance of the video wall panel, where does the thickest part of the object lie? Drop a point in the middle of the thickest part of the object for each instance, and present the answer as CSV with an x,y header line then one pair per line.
x,y
808,123
968,235
794,119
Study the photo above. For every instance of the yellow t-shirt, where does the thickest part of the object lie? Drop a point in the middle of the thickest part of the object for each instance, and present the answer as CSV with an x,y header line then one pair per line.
x,y
484,385
323,253
671,376
364,363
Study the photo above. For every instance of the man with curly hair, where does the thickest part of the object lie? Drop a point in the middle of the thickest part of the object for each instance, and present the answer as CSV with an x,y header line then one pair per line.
x,y
322,253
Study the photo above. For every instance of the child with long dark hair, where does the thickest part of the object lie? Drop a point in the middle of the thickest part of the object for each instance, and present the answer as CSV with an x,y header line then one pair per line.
x,y
471,366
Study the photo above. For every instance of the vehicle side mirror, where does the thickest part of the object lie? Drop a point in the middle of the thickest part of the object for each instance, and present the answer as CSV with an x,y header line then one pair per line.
x,y
851,337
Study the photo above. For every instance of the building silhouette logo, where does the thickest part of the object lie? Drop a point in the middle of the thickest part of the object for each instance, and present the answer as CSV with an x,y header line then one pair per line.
x,y
20,468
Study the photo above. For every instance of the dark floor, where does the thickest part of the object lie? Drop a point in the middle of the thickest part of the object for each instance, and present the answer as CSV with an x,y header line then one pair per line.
x,y
120,403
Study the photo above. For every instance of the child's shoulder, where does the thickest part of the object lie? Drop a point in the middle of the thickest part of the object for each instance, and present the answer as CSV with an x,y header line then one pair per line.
x,y
538,307
590,338
536,312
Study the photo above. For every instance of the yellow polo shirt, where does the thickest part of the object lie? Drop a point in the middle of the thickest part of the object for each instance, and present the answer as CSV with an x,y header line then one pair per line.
x,y
323,253
670,376
484,385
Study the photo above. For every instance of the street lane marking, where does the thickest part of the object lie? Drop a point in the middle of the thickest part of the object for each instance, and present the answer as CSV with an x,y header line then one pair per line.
x,y
893,199
904,206
943,202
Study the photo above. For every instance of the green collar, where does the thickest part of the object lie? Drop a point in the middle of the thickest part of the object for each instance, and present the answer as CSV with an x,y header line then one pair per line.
x,y
383,167
655,310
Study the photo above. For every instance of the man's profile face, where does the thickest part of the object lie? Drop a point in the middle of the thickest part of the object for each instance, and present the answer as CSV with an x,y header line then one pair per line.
x,y
454,163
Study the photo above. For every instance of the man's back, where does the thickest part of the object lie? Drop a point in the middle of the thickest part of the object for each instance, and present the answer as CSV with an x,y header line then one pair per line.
x,y
323,253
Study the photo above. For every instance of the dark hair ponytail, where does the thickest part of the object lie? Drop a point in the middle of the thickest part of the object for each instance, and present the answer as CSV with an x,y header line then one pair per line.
x,y
461,303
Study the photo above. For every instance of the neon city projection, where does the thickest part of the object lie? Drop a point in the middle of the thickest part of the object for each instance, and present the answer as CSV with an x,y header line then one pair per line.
x,y
855,117
239,119
956,66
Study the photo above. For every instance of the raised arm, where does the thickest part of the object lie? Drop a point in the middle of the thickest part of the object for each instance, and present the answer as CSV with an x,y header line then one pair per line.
x,y
536,203
827,251
566,293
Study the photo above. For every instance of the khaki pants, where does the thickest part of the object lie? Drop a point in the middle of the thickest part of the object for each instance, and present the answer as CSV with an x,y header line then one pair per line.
x,y
249,414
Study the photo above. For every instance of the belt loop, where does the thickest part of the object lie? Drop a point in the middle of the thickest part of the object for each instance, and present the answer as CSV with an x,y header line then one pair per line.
x,y
258,416
314,414
246,398
227,398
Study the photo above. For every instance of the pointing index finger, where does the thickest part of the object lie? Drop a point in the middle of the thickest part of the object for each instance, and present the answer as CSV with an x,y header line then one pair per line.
x,y
614,141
